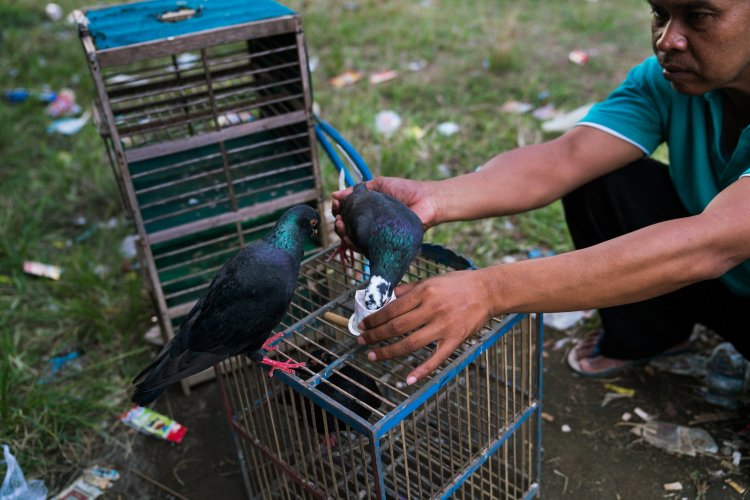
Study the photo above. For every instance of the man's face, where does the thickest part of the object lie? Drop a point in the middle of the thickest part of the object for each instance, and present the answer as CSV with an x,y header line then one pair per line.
x,y
703,45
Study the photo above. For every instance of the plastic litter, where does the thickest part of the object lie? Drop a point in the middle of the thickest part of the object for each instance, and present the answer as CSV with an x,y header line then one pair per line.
x,y
516,107
546,112
578,57
127,246
676,486
387,122
447,129
560,343
625,391
152,423
565,428
346,78
42,270
64,103
682,364
727,377
18,95
566,121
612,396
616,392
735,486
444,170
415,132
642,414
187,60
68,126
91,484
728,370
675,438
59,365
563,320
15,486
417,65
53,11
312,63
382,76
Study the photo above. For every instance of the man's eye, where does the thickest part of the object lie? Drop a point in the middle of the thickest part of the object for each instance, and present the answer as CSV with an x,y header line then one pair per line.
x,y
660,15
697,17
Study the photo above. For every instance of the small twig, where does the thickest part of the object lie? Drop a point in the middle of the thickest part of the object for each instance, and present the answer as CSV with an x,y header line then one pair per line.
x,y
177,468
565,485
157,483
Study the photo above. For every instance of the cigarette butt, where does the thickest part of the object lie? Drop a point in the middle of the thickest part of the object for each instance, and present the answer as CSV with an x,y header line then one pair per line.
x,y
736,486
547,417
336,319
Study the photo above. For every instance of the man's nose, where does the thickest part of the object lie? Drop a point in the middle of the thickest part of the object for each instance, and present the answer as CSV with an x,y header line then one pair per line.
x,y
671,37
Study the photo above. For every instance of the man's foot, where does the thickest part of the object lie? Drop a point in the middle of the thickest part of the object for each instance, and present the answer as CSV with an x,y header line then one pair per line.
x,y
585,358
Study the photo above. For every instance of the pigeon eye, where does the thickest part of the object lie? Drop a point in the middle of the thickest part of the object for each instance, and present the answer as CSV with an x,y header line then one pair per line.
x,y
313,222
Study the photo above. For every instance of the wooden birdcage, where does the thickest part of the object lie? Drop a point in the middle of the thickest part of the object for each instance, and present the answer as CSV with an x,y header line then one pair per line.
x,y
470,430
205,110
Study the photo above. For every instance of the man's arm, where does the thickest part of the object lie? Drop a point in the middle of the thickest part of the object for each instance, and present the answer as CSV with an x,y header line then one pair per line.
x,y
532,176
511,182
636,266
643,264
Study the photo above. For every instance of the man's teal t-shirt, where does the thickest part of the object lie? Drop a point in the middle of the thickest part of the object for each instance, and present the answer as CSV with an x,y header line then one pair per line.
x,y
646,111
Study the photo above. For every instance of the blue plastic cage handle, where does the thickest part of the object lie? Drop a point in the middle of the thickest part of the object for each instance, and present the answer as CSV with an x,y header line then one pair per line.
x,y
324,131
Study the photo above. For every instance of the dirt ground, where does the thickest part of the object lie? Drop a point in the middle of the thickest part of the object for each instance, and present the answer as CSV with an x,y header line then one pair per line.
x,y
599,458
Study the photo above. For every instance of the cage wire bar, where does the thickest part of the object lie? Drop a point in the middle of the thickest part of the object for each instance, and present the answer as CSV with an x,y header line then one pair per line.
x,y
205,110
470,430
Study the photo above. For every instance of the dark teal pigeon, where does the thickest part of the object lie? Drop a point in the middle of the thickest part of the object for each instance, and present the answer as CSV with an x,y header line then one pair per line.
x,y
246,300
360,393
387,232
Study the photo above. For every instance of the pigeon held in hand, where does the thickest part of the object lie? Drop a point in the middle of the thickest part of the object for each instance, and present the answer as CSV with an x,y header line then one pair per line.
x,y
359,389
246,300
387,232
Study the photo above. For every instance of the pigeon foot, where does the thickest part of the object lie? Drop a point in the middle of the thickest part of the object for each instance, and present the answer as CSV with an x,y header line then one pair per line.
x,y
284,366
344,253
270,340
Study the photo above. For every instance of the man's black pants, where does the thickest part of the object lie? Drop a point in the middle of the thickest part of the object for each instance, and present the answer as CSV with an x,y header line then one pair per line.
x,y
630,198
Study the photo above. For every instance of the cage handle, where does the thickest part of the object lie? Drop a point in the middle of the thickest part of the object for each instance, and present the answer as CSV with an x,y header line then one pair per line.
x,y
324,131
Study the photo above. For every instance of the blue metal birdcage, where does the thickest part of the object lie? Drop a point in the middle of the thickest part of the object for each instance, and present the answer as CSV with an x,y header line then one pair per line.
x,y
470,430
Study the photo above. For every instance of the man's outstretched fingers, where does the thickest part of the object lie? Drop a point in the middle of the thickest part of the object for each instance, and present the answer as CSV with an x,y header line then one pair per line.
x,y
405,346
442,352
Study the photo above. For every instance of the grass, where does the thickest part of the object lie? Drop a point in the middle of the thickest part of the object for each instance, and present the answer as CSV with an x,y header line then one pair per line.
x,y
479,54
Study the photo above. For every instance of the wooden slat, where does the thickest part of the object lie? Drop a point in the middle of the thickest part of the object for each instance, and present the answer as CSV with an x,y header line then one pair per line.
x,y
185,43
180,145
231,217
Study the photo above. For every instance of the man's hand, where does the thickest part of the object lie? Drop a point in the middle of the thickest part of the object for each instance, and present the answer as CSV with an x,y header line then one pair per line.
x,y
445,309
413,194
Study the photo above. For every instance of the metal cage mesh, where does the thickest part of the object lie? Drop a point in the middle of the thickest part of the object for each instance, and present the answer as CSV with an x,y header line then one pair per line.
x,y
470,430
